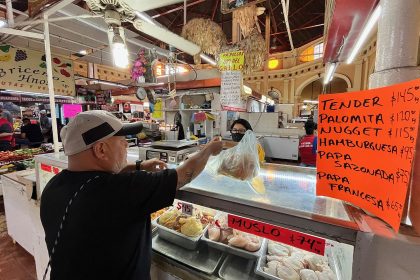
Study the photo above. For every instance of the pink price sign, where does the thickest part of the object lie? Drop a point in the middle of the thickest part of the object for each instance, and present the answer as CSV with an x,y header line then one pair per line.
x,y
71,110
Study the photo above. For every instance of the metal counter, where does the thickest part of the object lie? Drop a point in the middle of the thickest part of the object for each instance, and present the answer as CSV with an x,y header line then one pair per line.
x,y
290,200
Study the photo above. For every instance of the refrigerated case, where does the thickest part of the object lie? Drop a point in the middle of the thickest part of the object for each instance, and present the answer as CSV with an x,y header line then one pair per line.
x,y
289,202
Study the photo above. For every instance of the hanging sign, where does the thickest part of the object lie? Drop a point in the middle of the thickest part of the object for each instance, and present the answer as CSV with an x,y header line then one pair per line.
x,y
366,146
296,239
26,70
158,110
231,61
231,91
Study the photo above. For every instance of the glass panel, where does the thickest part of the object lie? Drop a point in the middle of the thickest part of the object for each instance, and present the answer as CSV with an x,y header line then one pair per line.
x,y
286,188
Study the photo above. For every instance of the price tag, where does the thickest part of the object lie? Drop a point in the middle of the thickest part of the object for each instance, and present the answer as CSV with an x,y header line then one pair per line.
x,y
296,239
186,208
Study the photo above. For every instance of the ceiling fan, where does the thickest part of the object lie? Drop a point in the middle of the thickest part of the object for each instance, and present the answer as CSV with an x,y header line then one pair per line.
x,y
117,11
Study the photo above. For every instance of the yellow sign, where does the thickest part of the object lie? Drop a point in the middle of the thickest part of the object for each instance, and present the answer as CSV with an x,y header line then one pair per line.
x,y
26,70
158,113
231,61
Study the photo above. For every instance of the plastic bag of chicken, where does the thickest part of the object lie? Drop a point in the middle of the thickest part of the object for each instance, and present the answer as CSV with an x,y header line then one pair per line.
x,y
240,162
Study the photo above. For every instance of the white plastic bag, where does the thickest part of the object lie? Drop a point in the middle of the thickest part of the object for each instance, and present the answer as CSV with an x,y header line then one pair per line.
x,y
240,162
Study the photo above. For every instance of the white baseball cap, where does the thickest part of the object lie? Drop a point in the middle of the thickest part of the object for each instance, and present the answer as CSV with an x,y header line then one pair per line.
x,y
89,127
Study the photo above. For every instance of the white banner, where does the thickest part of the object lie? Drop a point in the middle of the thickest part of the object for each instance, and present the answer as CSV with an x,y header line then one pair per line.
x,y
231,91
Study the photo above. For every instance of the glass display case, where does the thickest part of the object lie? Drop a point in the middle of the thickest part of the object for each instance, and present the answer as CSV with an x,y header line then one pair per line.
x,y
289,205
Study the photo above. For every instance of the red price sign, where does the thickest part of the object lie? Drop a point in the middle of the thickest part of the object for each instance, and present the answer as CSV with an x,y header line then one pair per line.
x,y
186,208
45,167
296,239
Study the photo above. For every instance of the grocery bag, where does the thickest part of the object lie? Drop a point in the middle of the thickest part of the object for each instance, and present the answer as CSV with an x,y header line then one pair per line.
x,y
240,162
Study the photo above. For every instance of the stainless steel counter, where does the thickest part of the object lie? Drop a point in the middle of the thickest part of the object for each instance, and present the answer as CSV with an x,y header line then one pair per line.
x,y
289,200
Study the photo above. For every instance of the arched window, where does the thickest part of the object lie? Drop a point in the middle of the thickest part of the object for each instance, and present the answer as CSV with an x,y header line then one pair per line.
x,y
312,53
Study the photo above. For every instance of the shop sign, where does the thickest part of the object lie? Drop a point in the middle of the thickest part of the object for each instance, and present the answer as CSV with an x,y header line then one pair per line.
x,y
231,61
366,143
231,91
18,98
9,98
26,70
293,238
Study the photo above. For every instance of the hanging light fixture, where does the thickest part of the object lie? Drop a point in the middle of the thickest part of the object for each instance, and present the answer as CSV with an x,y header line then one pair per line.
x,y
119,50
116,37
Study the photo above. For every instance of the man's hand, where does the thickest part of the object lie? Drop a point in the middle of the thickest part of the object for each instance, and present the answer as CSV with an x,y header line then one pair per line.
x,y
215,146
153,165
196,163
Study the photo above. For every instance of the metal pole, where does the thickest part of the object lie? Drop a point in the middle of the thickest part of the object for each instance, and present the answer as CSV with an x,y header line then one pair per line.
x,y
10,19
50,82
185,12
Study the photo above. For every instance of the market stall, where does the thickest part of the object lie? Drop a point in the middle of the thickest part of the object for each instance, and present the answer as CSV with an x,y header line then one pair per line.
x,y
289,206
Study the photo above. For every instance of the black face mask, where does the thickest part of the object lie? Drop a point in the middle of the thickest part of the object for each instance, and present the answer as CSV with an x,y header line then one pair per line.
x,y
237,137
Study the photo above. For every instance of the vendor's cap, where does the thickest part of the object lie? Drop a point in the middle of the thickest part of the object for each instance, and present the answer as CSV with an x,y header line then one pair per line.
x,y
89,127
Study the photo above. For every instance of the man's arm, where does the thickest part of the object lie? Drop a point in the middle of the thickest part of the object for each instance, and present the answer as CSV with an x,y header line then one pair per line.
x,y
195,164
151,165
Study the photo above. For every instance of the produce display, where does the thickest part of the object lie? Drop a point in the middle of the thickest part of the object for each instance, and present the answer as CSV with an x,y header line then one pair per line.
x,y
289,263
220,232
191,226
17,166
11,156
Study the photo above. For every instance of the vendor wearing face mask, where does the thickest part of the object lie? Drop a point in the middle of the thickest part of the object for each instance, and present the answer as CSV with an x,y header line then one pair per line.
x,y
238,129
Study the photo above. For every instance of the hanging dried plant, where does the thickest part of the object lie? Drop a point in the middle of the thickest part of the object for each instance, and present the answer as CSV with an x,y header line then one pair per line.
x,y
247,19
254,50
207,34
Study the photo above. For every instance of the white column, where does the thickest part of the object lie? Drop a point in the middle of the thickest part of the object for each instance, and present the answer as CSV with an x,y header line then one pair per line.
x,y
366,73
357,83
9,10
292,91
396,62
285,94
50,82
397,44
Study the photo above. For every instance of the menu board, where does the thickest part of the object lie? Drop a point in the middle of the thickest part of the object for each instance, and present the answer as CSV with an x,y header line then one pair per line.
x,y
231,61
231,90
366,146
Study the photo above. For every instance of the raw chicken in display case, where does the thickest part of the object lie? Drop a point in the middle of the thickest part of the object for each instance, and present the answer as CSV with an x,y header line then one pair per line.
x,y
219,231
280,261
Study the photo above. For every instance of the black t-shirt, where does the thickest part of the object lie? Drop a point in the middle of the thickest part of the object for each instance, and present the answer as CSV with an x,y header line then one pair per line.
x,y
107,233
33,132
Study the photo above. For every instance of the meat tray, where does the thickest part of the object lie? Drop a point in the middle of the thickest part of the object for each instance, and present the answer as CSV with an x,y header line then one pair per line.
x,y
232,250
235,267
259,269
175,237
205,259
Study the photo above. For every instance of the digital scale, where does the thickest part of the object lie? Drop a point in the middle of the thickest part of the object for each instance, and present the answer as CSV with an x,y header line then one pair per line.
x,y
170,151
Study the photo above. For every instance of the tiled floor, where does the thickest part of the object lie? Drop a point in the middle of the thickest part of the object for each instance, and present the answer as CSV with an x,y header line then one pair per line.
x,y
15,262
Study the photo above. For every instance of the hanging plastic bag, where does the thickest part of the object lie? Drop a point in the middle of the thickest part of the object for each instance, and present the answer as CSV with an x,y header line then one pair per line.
x,y
240,162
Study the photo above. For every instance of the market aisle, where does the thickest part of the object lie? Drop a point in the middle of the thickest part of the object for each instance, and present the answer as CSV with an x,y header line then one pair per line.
x,y
15,262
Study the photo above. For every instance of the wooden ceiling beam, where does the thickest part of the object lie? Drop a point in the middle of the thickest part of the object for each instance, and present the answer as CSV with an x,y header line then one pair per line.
x,y
301,8
297,29
215,9
181,7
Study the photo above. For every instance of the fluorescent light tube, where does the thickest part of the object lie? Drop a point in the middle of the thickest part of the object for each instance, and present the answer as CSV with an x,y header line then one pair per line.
x,y
364,34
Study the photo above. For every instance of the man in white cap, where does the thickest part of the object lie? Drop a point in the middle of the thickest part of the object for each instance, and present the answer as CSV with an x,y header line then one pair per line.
x,y
96,213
